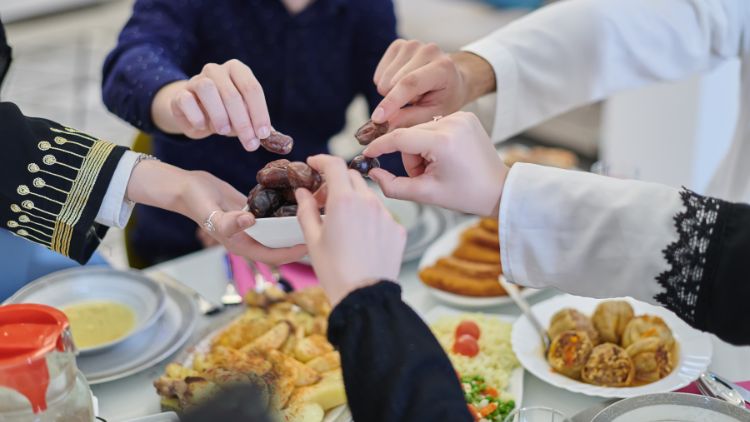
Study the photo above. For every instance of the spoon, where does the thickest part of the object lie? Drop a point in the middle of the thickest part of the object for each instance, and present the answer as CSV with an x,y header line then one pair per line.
x,y
230,296
515,295
712,385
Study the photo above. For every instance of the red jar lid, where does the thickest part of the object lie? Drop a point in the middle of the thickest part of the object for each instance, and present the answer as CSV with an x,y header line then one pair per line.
x,y
27,333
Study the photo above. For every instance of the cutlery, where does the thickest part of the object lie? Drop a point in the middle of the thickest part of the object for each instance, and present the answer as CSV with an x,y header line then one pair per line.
x,y
205,306
712,385
231,296
515,295
280,280
260,281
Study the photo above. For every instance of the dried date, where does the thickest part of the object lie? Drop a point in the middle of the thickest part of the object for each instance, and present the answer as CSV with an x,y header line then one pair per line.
x,y
274,175
303,176
370,131
278,143
364,164
288,195
286,211
262,202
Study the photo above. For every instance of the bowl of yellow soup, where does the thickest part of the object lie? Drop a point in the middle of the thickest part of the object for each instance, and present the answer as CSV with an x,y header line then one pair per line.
x,y
104,306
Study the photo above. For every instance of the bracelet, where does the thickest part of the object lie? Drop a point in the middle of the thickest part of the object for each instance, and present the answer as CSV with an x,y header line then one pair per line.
x,y
141,157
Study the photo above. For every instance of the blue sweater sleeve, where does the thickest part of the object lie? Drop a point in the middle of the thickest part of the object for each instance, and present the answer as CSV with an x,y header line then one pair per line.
x,y
154,49
376,31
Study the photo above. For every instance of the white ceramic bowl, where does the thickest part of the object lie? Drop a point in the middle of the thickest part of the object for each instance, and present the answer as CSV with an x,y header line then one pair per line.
x,y
695,349
145,297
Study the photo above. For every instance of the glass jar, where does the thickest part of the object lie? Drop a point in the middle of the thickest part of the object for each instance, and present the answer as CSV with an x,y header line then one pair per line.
x,y
39,379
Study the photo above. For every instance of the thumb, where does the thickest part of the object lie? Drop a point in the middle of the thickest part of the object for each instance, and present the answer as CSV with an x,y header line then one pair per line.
x,y
308,215
409,188
230,223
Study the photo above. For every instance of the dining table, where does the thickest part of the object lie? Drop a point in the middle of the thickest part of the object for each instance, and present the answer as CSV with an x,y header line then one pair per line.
x,y
134,396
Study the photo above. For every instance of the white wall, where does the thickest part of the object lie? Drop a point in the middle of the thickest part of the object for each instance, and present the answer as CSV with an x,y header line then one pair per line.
x,y
672,133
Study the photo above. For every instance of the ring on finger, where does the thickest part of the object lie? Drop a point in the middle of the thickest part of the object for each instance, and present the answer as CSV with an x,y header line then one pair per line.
x,y
208,223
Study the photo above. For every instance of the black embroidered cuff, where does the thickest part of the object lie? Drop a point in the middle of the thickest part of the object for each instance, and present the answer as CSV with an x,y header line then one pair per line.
x,y
375,294
688,256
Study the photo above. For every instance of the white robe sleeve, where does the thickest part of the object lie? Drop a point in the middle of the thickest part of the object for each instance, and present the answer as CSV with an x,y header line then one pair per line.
x,y
575,52
586,234
116,208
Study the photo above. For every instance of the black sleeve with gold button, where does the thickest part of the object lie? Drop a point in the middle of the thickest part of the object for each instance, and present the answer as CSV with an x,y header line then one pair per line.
x,y
52,182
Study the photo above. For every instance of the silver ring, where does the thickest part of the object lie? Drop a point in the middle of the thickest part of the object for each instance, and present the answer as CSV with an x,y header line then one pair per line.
x,y
209,224
436,118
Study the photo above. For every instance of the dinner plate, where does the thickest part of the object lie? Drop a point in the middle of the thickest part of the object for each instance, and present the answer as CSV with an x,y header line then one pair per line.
x,y
666,407
148,348
695,349
145,297
444,246
204,346
433,222
515,381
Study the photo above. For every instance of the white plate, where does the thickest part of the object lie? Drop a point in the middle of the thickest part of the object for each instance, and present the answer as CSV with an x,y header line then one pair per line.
x,y
147,349
666,407
695,349
515,382
142,295
204,346
444,246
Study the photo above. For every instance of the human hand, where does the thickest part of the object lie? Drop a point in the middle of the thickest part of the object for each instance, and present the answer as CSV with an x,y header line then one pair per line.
x,y
358,243
199,195
225,99
451,162
428,80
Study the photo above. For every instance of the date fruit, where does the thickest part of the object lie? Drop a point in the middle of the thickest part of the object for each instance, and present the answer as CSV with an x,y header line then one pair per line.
x,y
370,131
364,164
262,202
286,211
278,143
288,195
303,176
274,175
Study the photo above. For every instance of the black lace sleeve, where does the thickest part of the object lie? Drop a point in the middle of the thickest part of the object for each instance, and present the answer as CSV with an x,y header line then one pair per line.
x,y
707,283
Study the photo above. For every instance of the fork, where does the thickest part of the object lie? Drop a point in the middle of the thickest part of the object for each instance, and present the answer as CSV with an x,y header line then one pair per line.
x,y
230,296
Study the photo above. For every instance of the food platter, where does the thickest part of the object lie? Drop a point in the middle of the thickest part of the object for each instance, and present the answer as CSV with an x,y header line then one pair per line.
x,y
695,349
444,246
515,377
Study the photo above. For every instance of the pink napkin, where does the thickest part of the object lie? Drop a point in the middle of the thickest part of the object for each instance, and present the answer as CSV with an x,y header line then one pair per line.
x,y
692,388
298,274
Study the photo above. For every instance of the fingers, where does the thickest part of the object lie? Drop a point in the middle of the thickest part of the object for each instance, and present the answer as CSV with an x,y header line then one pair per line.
x,y
413,85
208,94
232,222
253,95
414,141
386,60
308,215
413,189
185,105
246,246
335,171
358,183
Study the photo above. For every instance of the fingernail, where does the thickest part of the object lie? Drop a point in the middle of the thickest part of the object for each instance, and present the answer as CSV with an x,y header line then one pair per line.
x,y
224,130
253,144
245,221
378,115
264,132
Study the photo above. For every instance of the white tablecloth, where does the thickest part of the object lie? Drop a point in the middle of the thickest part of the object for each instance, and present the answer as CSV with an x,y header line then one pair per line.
x,y
135,396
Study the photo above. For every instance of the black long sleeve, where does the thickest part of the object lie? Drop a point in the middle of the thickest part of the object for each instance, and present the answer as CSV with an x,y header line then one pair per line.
x,y
52,182
708,283
394,368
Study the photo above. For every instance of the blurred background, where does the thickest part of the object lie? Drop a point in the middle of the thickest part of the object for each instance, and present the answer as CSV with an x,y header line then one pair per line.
x,y
60,45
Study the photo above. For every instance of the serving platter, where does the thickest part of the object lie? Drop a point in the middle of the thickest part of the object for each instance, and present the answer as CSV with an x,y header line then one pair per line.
x,y
515,381
143,296
664,407
444,246
695,349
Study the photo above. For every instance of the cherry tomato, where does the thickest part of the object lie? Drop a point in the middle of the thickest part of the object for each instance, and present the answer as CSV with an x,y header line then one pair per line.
x,y
466,345
474,412
469,328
